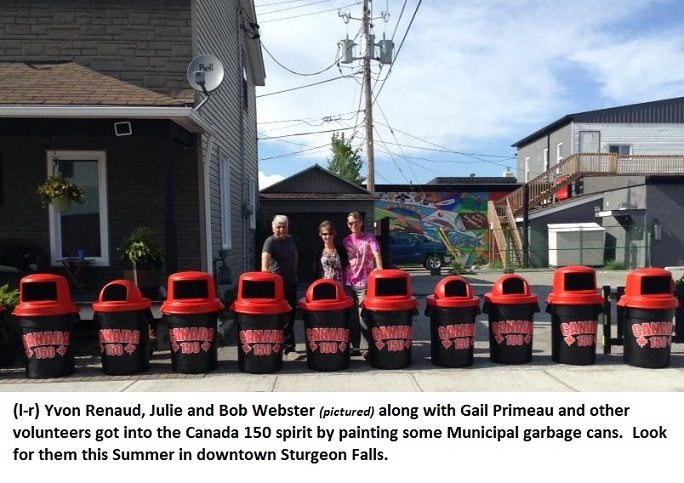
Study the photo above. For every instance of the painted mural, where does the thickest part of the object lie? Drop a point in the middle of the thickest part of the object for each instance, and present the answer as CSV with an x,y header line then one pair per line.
x,y
461,217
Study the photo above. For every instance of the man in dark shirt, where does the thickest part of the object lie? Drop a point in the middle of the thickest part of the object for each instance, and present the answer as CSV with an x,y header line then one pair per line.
x,y
280,256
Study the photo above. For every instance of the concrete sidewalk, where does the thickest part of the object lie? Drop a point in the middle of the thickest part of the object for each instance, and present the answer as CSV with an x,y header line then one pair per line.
x,y
609,373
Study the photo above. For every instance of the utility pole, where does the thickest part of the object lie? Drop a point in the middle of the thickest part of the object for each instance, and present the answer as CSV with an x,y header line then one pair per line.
x,y
370,152
385,49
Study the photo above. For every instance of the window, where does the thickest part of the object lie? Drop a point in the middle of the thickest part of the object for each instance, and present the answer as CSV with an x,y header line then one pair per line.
x,y
620,149
224,186
559,152
81,227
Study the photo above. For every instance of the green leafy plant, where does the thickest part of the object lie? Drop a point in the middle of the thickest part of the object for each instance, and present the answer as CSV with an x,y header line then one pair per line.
x,y
8,326
614,265
457,268
59,187
139,247
8,298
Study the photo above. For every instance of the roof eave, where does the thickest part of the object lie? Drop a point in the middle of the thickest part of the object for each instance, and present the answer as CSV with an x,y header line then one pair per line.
x,y
185,117
254,48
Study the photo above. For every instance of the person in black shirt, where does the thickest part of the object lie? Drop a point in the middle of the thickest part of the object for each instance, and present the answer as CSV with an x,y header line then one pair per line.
x,y
280,256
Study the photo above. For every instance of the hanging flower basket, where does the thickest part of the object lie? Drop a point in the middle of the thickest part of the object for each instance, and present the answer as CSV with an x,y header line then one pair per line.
x,y
61,204
60,192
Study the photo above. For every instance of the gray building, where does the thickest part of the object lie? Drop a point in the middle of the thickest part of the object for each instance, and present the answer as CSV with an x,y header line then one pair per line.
x,y
621,167
98,91
307,198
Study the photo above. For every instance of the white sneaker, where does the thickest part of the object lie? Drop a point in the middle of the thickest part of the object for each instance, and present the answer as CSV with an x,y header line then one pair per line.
x,y
291,356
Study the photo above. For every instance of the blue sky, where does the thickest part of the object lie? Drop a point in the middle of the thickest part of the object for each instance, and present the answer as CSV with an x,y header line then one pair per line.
x,y
472,78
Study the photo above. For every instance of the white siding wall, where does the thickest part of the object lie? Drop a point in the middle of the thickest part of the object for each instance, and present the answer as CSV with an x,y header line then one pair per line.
x,y
644,138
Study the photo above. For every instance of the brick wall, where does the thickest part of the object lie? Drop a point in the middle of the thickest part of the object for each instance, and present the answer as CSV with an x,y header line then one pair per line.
x,y
147,43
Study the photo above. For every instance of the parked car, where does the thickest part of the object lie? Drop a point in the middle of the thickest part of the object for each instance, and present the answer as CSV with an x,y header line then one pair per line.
x,y
406,248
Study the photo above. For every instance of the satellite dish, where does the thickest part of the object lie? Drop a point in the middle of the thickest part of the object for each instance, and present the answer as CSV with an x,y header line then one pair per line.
x,y
205,73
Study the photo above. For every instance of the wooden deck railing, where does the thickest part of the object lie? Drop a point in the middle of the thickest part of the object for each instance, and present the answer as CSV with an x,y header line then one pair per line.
x,y
576,166
567,171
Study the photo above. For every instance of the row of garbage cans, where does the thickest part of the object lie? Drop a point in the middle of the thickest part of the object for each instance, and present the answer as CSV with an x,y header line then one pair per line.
x,y
46,316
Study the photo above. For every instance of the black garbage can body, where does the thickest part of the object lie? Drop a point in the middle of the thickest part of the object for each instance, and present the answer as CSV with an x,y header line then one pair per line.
x,y
388,311
46,315
452,310
260,310
510,307
574,305
649,305
191,312
326,311
123,316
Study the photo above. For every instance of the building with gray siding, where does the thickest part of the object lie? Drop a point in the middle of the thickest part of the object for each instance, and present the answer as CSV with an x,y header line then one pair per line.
x,y
71,69
640,213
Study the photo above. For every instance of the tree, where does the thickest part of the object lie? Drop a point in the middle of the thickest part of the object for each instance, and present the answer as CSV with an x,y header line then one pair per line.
x,y
346,161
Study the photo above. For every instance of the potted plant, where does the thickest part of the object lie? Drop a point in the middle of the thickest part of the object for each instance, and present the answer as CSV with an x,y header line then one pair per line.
x,y
10,336
142,259
60,192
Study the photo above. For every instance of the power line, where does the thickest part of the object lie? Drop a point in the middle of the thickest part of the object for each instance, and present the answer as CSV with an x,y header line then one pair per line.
x,y
285,155
395,137
303,133
278,3
303,87
398,50
392,157
307,14
293,8
444,148
304,119
293,71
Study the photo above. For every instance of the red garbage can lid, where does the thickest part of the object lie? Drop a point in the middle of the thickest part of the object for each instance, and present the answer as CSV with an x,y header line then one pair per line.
x,y
389,290
260,293
511,289
191,293
453,292
121,296
649,288
44,294
325,295
574,285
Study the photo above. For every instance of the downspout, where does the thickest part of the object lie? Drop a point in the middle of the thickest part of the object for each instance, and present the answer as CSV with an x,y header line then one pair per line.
x,y
207,202
171,245
241,117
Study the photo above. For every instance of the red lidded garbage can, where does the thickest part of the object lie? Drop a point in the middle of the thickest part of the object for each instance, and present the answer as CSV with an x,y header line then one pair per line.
x,y
511,306
123,316
388,311
260,310
46,315
191,312
649,305
574,305
326,310
452,310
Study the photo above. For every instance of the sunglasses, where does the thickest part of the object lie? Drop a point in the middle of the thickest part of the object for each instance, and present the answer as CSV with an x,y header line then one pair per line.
x,y
326,234
353,223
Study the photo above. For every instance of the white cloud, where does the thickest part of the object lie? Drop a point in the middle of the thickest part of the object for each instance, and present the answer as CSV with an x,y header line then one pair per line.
x,y
473,75
266,180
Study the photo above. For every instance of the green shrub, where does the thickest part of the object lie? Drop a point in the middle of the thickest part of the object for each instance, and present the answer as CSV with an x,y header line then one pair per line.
x,y
9,330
